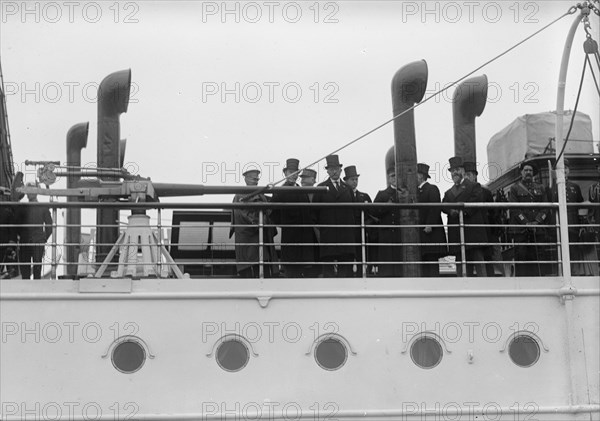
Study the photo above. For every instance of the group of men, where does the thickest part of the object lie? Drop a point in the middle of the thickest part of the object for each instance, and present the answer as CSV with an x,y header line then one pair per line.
x,y
334,241
533,230
23,231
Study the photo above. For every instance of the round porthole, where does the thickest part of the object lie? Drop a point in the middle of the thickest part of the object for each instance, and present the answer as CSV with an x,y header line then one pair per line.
x,y
524,351
128,356
331,354
426,352
232,355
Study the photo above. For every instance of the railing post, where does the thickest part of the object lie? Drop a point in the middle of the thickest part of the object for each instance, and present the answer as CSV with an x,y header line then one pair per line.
x,y
54,239
261,257
559,245
363,246
159,243
463,252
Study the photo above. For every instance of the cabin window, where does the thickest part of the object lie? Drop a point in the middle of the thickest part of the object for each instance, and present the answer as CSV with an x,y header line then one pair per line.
x,y
426,352
331,354
232,355
524,350
128,356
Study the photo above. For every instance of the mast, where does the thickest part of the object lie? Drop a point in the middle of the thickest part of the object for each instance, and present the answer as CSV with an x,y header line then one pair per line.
x,y
7,171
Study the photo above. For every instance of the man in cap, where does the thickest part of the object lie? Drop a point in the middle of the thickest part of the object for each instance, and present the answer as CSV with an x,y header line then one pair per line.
x,y
336,242
388,235
295,257
493,252
35,227
529,223
433,232
245,226
592,233
351,179
464,191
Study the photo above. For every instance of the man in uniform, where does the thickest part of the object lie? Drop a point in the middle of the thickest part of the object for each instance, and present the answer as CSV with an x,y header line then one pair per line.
x,y
294,256
433,232
335,241
34,230
351,179
389,236
493,252
593,232
465,191
245,226
530,230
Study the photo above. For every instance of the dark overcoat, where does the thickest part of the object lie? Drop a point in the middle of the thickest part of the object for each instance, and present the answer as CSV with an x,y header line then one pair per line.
x,y
465,192
246,237
295,216
388,216
334,239
428,193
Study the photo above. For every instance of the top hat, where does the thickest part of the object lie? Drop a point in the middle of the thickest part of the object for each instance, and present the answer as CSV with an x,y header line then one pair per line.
x,y
292,164
565,162
307,172
251,170
350,171
332,161
455,161
470,167
423,169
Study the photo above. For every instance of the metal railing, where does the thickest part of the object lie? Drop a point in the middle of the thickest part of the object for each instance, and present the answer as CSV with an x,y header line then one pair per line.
x,y
216,251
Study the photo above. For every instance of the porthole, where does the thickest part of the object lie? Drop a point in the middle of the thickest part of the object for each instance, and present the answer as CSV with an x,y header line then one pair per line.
x,y
524,351
331,354
128,356
426,352
232,355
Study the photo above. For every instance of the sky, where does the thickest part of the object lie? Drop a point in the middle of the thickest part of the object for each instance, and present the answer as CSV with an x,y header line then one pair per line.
x,y
218,86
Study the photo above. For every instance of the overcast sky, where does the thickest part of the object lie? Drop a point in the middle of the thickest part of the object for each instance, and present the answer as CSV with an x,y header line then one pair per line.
x,y
218,85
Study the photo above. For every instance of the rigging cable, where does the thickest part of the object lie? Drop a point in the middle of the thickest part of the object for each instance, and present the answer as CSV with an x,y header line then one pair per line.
x,y
570,11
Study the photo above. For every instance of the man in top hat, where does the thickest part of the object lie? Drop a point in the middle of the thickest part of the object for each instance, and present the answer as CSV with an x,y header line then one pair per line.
x,y
295,258
245,226
529,223
493,252
351,179
388,235
433,232
308,178
464,191
336,242
35,227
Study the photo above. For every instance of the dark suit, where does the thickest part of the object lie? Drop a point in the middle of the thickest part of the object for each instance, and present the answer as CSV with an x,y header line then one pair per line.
x,y
291,234
432,217
465,192
360,197
334,240
388,235
33,238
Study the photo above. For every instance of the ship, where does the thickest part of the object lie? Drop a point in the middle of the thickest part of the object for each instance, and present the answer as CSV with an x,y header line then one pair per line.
x,y
149,321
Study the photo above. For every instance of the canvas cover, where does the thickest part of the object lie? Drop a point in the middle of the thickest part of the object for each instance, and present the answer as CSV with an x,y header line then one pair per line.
x,y
533,134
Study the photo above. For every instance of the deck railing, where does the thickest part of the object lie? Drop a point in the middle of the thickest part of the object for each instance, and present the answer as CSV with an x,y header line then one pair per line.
x,y
203,246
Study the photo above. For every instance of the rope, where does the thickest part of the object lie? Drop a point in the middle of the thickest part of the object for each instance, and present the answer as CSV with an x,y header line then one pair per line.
x,y
585,61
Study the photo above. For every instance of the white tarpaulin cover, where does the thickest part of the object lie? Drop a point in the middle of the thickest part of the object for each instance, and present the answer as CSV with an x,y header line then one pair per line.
x,y
533,134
